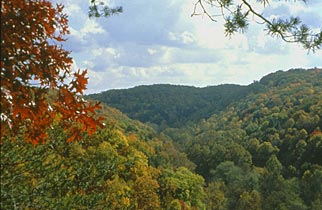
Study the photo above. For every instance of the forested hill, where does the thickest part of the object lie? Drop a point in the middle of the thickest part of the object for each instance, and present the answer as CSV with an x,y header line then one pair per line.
x,y
264,152
261,152
171,105
175,106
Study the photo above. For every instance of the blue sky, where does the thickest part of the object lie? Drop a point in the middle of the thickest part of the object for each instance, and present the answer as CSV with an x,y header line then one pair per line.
x,y
155,42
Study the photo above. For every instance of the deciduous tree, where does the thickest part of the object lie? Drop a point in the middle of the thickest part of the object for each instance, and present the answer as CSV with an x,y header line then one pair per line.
x,y
34,63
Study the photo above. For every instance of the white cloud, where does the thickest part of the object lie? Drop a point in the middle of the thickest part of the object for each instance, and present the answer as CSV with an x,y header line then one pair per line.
x,y
112,52
91,27
158,42
185,37
152,51
88,28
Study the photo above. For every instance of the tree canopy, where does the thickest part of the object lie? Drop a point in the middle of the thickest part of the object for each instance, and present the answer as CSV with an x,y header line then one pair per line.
x,y
38,87
262,152
171,105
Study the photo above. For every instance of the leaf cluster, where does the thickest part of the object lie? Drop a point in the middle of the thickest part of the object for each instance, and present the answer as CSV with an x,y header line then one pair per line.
x,y
257,154
38,87
99,9
262,152
238,15
115,168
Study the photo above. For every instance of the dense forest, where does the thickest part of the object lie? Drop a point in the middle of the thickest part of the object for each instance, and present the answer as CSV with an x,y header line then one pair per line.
x,y
222,147
171,105
264,152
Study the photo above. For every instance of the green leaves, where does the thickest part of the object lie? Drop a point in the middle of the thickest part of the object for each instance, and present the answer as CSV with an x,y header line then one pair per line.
x,y
225,3
236,16
102,10
237,21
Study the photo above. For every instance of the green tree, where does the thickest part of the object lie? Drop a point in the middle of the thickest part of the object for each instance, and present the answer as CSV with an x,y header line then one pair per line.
x,y
312,186
287,197
263,153
184,186
272,179
216,199
314,149
102,171
249,201
237,182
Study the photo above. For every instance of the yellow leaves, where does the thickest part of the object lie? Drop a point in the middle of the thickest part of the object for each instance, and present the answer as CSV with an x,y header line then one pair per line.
x,y
34,182
126,201
118,196
76,150
145,190
105,150
132,138
104,146
121,139
52,159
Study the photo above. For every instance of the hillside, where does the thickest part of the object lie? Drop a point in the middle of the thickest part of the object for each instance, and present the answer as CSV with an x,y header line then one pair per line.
x,y
125,165
264,152
261,151
171,105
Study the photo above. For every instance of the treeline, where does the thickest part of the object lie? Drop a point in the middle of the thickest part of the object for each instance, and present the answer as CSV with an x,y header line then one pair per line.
x,y
126,165
263,151
171,105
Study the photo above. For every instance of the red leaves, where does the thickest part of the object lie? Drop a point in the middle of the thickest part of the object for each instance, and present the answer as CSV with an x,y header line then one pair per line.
x,y
34,66
316,133
80,82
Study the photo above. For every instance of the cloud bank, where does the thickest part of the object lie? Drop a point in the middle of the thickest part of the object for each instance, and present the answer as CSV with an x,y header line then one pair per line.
x,y
158,42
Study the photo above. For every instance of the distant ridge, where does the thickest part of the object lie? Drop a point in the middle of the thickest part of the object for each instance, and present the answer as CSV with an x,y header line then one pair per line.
x,y
171,105
165,105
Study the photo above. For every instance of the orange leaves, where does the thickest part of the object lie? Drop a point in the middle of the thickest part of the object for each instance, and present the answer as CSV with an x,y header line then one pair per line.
x,y
314,133
80,81
77,114
33,63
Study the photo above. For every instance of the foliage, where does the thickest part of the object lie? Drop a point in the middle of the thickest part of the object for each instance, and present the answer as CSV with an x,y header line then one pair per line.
x,y
183,186
34,66
237,16
222,147
114,168
261,151
99,9
169,105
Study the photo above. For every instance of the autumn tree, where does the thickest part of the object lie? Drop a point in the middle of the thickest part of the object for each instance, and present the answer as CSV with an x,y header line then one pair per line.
x,y
34,66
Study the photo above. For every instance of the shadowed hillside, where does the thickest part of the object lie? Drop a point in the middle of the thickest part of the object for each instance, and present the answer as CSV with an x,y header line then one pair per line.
x,y
171,105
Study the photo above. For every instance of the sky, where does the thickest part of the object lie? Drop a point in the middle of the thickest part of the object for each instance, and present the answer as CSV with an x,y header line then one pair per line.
x,y
158,42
